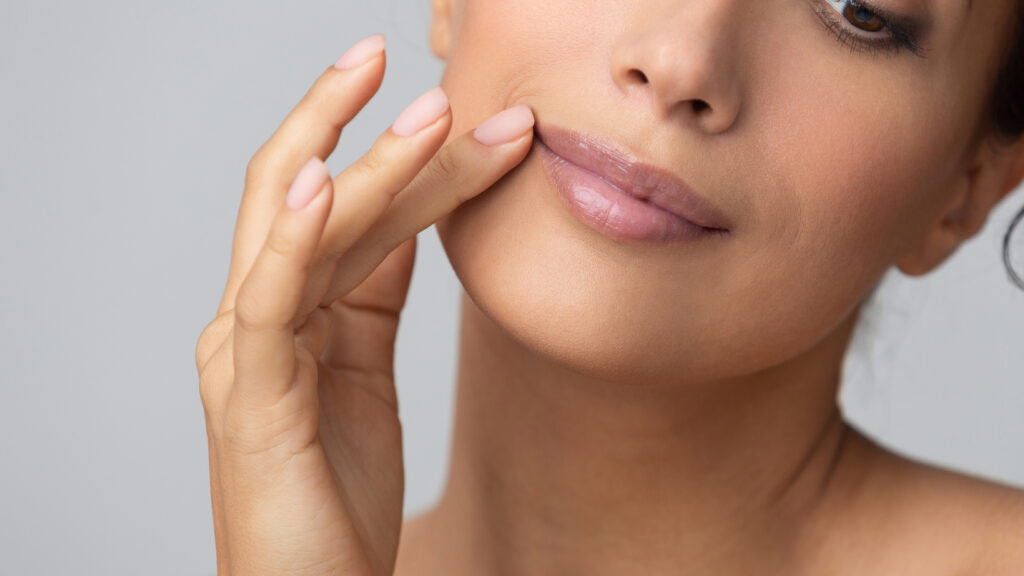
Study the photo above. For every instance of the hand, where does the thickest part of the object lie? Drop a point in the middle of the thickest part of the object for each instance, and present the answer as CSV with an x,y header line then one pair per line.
x,y
296,370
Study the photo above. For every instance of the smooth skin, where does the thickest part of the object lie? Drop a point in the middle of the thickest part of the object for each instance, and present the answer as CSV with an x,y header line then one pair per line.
x,y
620,410
673,409
296,371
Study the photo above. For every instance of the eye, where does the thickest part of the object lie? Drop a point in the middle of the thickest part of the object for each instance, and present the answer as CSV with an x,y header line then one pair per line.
x,y
858,15
864,28
862,18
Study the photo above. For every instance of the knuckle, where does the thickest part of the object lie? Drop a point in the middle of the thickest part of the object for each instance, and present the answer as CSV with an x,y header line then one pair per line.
x,y
211,338
372,162
214,378
445,165
277,245
247,316
265,164
319,95
204,346
251,314
258,166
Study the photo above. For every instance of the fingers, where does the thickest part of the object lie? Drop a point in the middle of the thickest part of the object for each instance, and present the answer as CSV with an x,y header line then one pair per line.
x,y
387,287
471,163
368,186
268,298
312,128
365,320
313,334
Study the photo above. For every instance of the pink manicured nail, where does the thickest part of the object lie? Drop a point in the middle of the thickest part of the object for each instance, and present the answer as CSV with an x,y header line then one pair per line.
x,y
421,113
505,126
311,179
360,52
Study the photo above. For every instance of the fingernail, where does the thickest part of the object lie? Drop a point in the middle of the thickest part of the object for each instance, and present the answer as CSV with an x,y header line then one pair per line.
x,y
505,126
421,113
360,52
311,179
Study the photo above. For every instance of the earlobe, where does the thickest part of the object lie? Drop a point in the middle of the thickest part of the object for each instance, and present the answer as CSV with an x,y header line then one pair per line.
x,y
441,28
994,174
1016,172
941,239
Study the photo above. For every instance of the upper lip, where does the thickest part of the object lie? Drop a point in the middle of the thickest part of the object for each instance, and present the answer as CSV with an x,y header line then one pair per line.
x,y
625,171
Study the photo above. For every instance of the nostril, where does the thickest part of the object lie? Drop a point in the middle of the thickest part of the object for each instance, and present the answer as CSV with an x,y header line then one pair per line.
x,y
699,105
639,76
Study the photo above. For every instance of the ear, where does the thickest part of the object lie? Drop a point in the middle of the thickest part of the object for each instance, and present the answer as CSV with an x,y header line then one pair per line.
x,y
995,171
441,28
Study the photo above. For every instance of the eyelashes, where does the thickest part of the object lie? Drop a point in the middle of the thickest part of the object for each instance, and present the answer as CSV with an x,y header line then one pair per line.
x,y
863,28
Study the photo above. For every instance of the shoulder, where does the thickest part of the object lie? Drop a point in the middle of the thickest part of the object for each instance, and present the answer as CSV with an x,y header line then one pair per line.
x,y
984,517
963,522
889,513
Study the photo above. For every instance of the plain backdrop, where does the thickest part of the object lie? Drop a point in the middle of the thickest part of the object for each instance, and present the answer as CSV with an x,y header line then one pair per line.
x,y
125,129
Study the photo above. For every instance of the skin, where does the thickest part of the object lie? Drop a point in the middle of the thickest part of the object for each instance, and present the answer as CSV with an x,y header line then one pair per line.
x,y
627,409
621,408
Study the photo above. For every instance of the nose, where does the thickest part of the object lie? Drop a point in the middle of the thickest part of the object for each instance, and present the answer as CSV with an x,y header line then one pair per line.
x,y
681,61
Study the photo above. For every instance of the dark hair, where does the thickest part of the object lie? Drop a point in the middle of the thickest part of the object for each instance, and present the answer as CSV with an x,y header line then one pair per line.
x,y
1006,120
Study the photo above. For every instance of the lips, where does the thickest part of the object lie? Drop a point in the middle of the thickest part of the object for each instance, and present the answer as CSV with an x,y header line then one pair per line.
x,y
625,172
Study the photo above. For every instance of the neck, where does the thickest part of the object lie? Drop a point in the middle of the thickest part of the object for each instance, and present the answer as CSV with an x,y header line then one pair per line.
x,y
555,472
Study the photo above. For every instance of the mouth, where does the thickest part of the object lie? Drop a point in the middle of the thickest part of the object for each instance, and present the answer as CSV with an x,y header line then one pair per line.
x,y
613,192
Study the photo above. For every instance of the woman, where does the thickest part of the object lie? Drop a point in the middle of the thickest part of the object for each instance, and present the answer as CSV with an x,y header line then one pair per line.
x,y
649,359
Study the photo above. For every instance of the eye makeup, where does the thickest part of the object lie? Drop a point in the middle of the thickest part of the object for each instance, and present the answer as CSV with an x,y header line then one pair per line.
x,y
894,30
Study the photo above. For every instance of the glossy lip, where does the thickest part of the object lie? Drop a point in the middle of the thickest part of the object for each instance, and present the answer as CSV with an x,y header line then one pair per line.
x,y
624,171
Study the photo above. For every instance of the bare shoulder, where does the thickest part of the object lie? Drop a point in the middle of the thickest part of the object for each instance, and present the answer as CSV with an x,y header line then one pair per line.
x,y
985,515
965,523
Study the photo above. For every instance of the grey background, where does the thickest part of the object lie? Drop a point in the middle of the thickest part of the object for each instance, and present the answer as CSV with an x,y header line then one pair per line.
x,y
125,128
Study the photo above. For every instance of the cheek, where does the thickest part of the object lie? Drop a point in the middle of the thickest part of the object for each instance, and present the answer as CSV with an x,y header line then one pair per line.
x,y
502,51
858,162
863,175
843,180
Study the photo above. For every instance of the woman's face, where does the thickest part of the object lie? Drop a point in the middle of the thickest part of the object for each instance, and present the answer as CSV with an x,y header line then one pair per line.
x,y
832,163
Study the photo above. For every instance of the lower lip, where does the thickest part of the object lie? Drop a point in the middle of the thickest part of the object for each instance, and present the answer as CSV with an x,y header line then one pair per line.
x,y
612,211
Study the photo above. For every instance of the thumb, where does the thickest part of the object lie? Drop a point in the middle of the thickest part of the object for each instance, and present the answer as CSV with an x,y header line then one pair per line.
x,y
366,318
388,285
